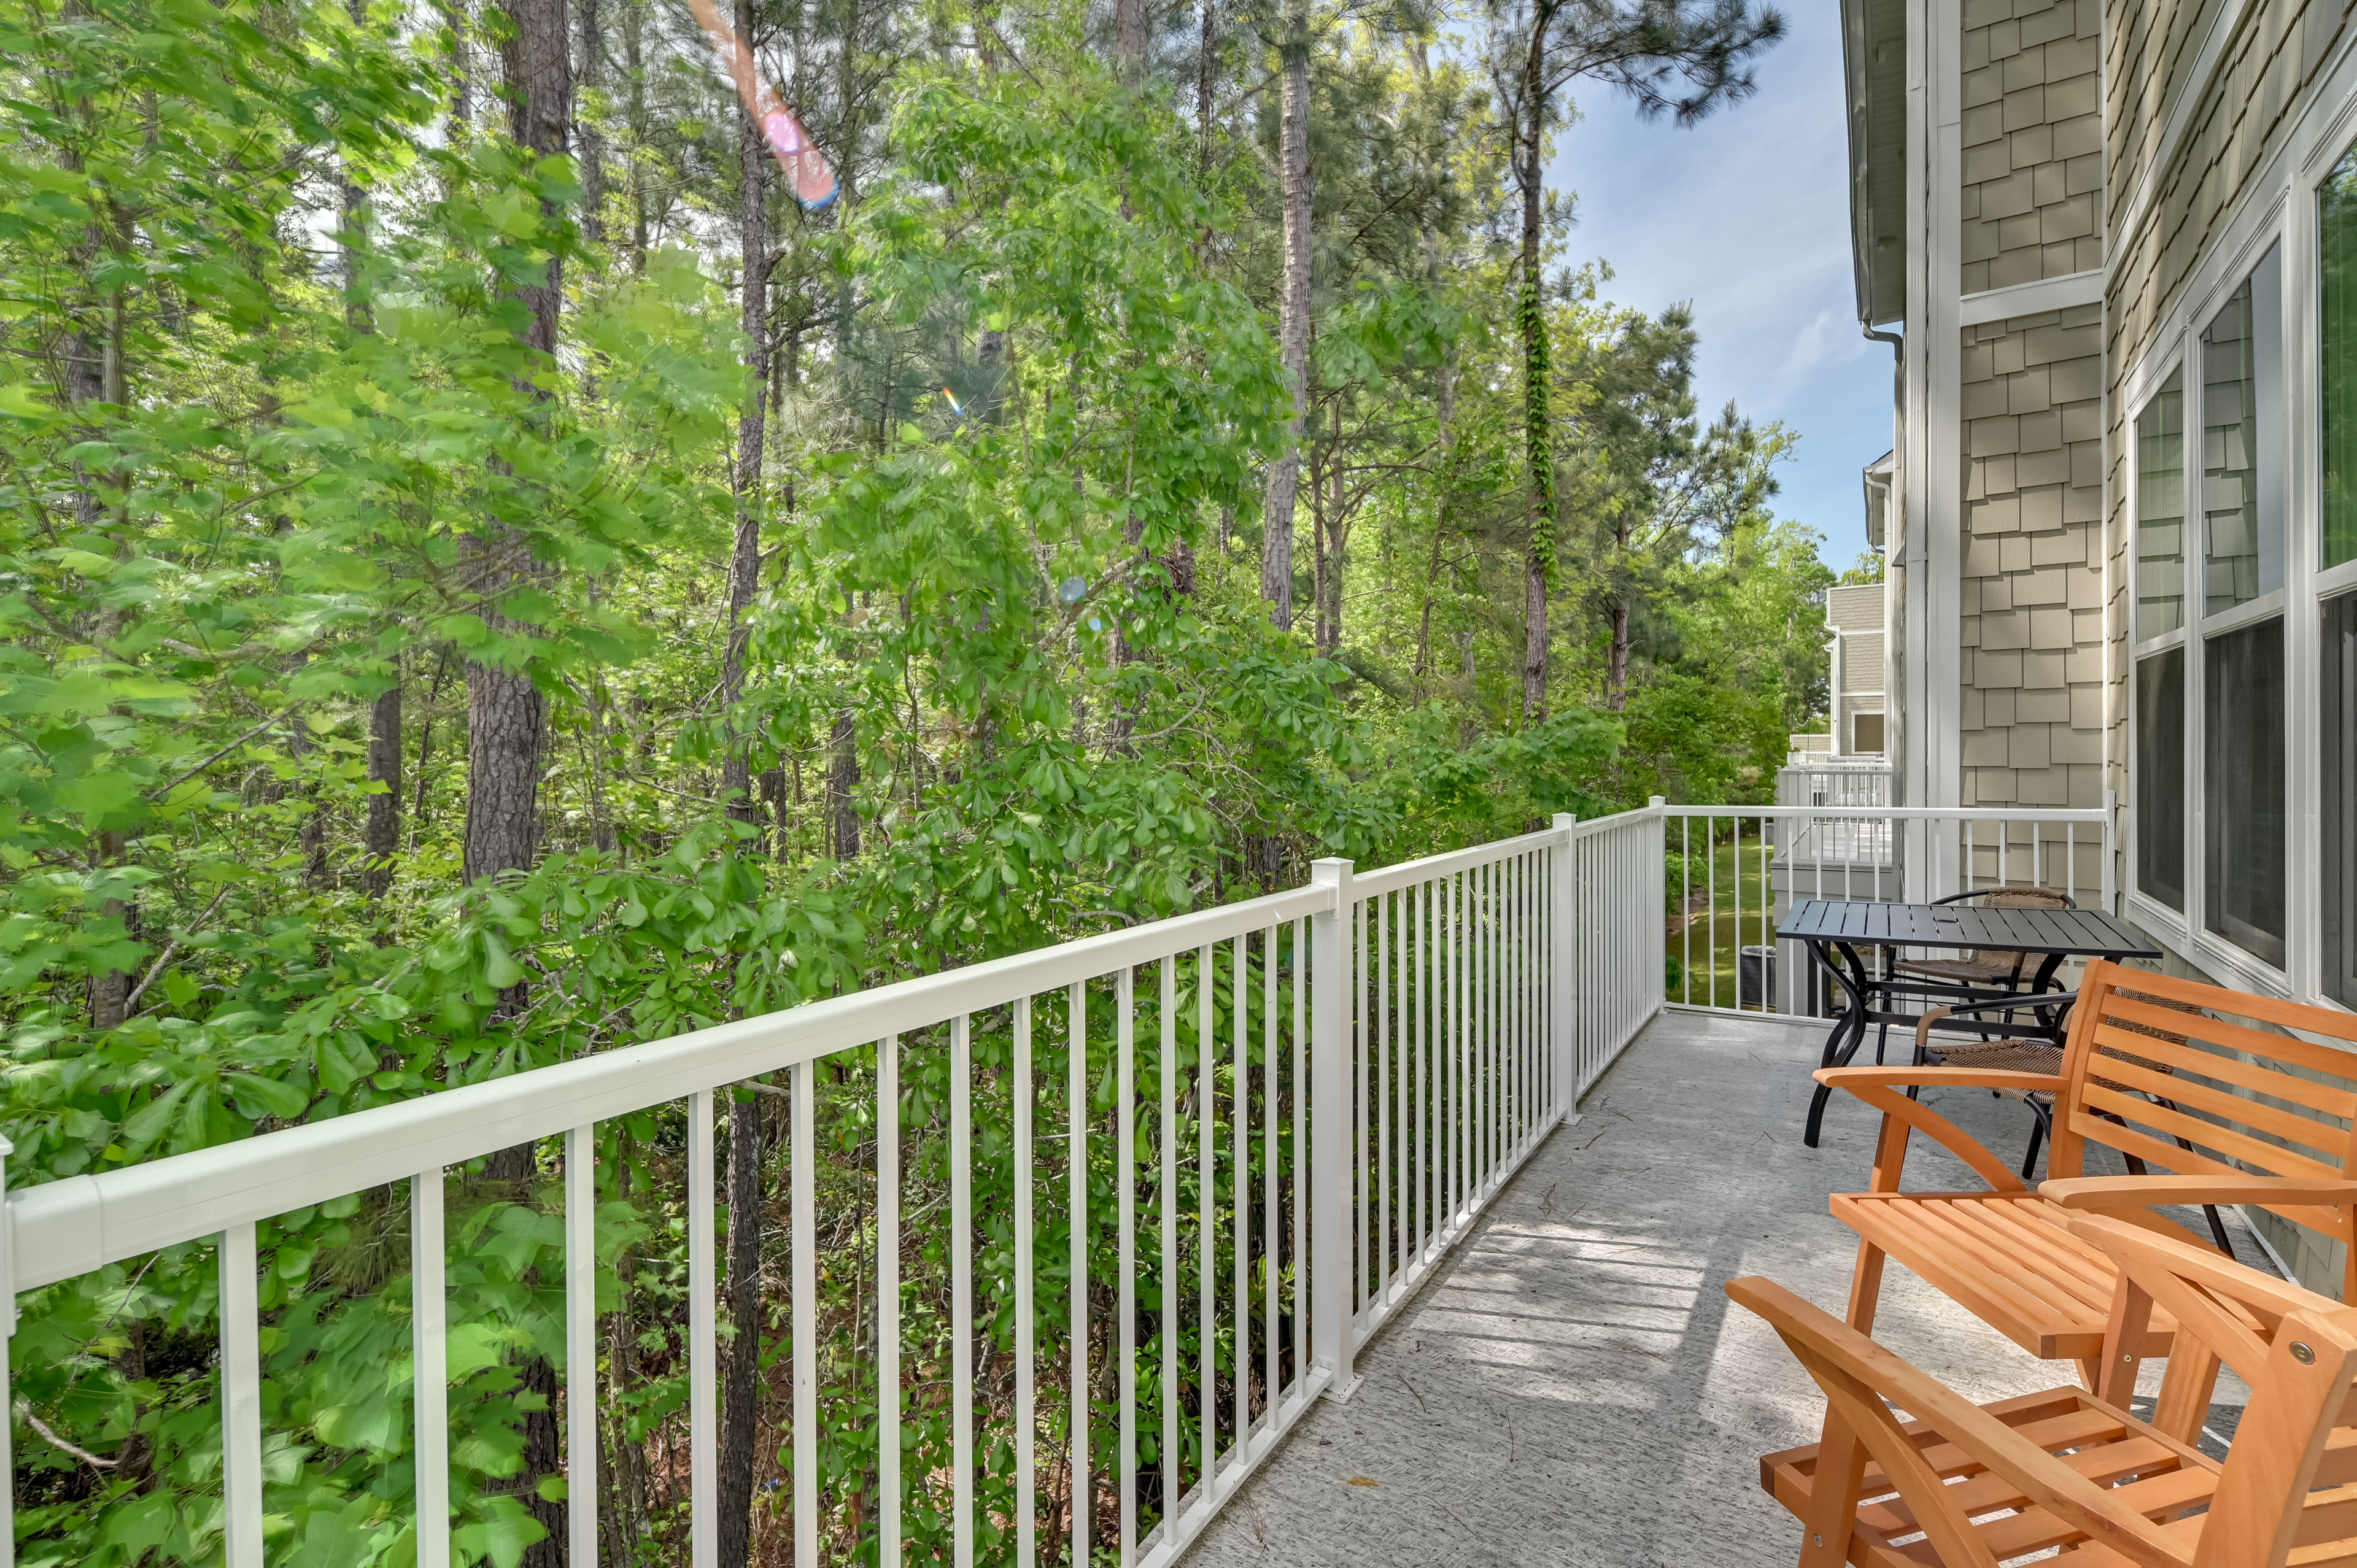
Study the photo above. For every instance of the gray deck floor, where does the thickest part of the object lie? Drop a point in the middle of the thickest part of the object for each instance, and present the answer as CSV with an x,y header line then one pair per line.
x,y
1574,1387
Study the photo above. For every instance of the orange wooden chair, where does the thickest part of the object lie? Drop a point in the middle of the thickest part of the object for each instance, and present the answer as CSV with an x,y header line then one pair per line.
x,y
2267,1117
2073,1473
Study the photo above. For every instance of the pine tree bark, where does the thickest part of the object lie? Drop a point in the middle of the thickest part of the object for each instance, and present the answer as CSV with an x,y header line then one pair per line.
x,y
843,788
592,147
1129,37
1292,321
1538,428
507,716
1444,403
739,1396
744,558
740,1379
380,832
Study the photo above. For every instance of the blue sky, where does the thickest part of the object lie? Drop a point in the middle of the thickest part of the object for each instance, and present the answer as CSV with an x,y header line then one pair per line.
x,y
1747,216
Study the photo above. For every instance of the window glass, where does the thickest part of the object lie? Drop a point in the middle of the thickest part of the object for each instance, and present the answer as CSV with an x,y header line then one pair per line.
x,y
2243,804
2241,430
2340,801
1866,732
2335,212
2160,510
2161,777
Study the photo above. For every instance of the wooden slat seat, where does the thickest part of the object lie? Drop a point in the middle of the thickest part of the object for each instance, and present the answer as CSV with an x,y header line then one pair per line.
x,y
2174,1076
2073,1474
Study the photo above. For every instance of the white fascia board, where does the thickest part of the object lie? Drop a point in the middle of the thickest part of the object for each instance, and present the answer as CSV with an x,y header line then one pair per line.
x,y
2031,298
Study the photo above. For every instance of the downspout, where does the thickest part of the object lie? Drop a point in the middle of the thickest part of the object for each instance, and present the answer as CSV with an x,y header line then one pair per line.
x,y
1894,715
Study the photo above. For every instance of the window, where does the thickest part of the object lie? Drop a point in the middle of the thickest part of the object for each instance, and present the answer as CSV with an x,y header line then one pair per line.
x,y
2161,777
2339,802
2242,807
1866,732
2161,511
2336,239
2241,430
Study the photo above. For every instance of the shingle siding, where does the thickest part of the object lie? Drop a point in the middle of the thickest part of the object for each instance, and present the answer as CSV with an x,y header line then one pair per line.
x,y
2032,497
2033,189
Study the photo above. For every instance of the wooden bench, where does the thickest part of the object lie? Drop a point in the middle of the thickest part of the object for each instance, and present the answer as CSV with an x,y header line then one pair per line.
x,y
2264,1131
2077,1472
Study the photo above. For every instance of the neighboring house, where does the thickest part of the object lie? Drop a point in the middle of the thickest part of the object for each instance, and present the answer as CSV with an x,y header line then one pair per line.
x,y
2114,244
1854,624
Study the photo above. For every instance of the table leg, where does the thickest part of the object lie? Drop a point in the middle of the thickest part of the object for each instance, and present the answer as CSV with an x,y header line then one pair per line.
x,y
1852,1023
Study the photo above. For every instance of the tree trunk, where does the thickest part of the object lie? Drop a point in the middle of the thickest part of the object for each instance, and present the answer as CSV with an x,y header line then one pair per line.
x,y
1538,431
381,835
1616,669
1293,326
380,839
592,156
1206,79
744,559
1338,530
634,22
1445,415
740,1379
507,716
843,788
1317,554
1129,37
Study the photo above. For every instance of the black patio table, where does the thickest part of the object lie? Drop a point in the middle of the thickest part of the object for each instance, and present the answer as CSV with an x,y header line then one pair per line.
x,y
1835,928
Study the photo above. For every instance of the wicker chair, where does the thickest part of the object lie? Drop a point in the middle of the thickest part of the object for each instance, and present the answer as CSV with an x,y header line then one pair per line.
x,y
1986,968
2034,1055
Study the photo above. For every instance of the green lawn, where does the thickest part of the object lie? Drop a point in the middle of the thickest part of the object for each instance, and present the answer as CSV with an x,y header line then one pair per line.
x,y
1707,945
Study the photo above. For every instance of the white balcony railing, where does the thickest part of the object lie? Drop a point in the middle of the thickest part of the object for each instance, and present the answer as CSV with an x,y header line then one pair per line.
x,y
1737,869
1270,1123
1248,1133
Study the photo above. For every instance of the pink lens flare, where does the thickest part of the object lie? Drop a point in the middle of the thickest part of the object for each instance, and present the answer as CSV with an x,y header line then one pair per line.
x,y
807,173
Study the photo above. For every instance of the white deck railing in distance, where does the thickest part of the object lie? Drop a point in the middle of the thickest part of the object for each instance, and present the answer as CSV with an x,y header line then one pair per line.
x,y
1740,868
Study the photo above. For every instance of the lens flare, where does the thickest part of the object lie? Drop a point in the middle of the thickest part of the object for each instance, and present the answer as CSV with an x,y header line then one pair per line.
x,y
807,173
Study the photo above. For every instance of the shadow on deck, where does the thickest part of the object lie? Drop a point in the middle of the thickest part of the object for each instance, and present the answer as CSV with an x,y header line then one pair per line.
x,y
1575,1388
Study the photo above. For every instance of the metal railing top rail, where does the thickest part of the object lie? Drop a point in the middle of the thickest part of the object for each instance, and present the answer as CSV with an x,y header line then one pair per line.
x,y
1408,873
80,1223
2088,815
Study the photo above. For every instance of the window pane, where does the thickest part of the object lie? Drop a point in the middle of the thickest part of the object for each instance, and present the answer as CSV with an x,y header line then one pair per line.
x,y
2242,426
2160,510
2336,206
2160,778
2340,802
2243,802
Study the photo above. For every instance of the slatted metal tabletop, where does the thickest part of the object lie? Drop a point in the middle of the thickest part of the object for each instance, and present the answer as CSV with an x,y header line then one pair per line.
x,y
2074,933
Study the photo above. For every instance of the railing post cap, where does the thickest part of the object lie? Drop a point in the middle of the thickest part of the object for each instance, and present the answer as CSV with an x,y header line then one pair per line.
x,y
1330,869
1657,799
1565,821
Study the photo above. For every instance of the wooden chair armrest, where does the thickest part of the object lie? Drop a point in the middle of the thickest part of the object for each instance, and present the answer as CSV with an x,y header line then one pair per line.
x,y
1856,1077
2097,1194
1818,1339
1878,1087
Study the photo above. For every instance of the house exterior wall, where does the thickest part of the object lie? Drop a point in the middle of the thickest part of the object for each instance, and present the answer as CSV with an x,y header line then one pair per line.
x,y
2204,100
2033,141
2031,661
2262,74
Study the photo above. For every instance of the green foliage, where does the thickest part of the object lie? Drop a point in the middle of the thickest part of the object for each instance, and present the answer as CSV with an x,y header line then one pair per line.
x,y
280,448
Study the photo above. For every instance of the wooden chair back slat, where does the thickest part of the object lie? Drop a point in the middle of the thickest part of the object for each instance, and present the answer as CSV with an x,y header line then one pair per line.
x,y
2148,1119
2318,1139
2333,1101
2261,1112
